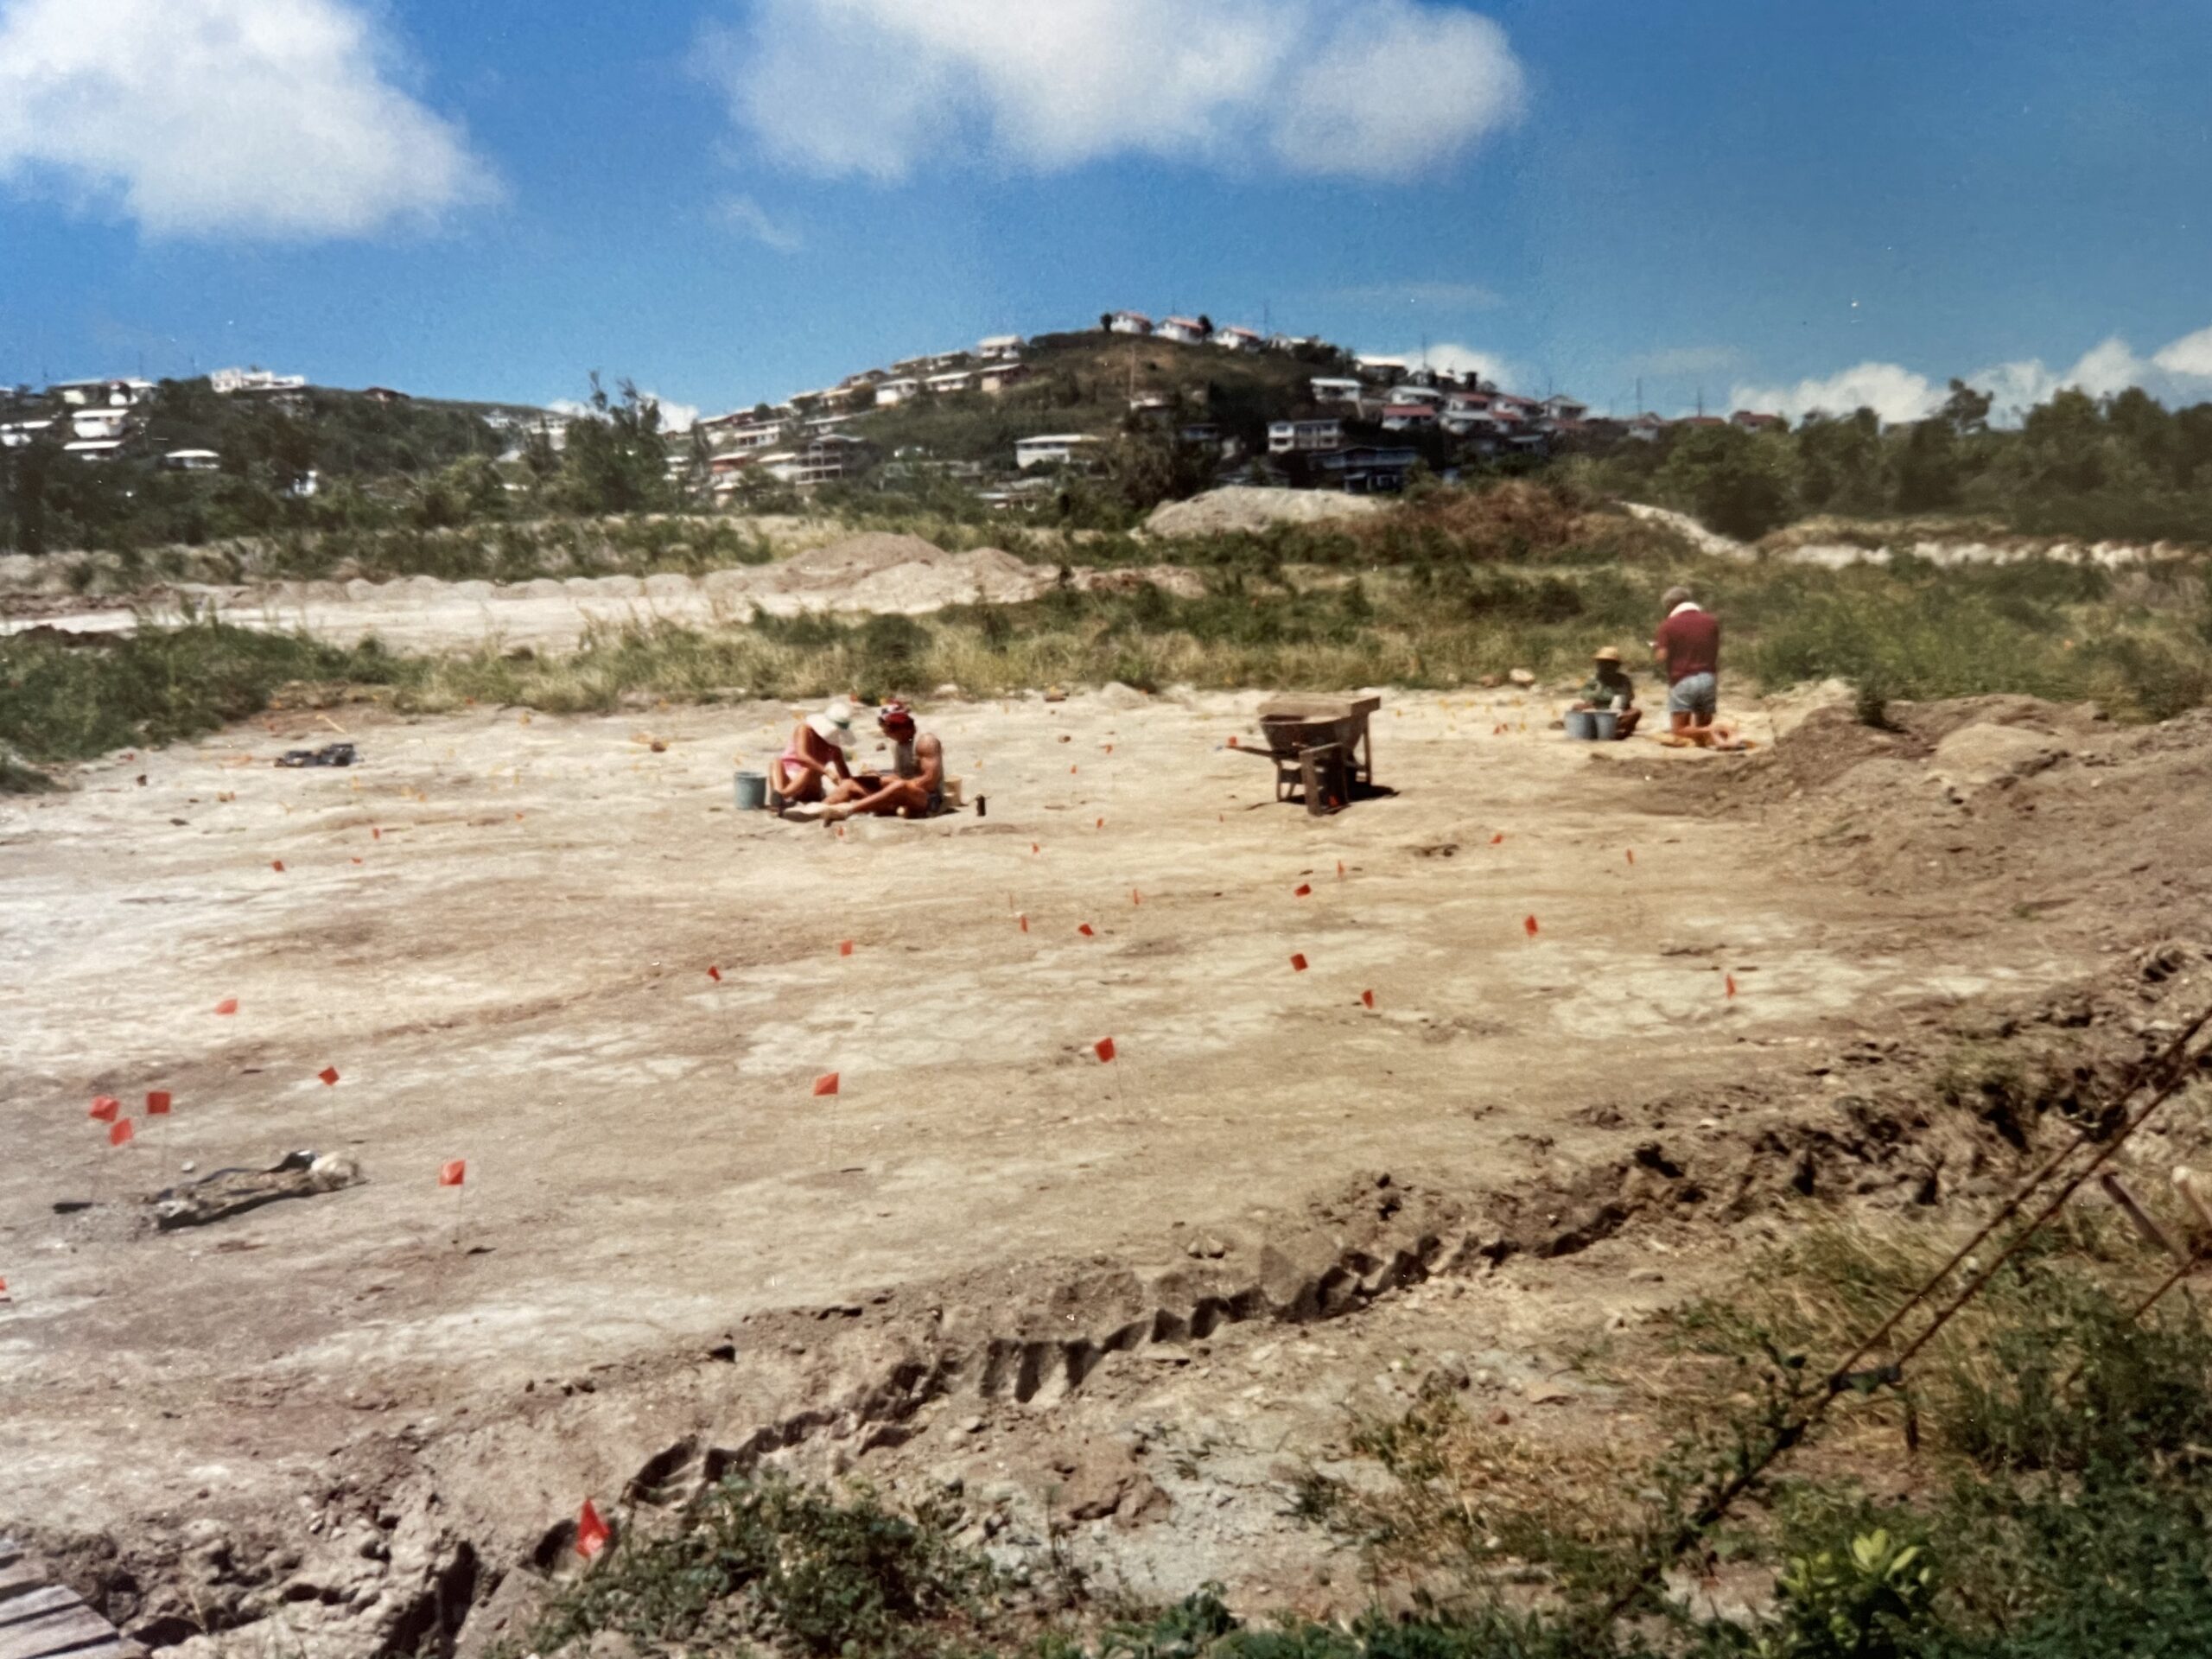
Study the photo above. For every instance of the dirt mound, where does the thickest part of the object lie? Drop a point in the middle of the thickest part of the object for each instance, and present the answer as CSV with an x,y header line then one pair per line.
x,y
1246,507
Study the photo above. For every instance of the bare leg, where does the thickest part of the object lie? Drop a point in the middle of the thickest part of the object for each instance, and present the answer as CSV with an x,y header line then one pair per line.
x,y
900,793
797,787
1625,726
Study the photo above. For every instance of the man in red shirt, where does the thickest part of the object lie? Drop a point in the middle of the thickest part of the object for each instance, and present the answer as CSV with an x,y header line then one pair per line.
x,y
1688,642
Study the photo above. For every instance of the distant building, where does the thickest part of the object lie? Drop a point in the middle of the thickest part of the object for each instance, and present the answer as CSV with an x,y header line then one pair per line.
x,y
94,450
1000,348
1382,368
1060,449
1129,323
1646,427
191,460
1408,417
891,393
1328,390
1752,422
1184,331
386,395
113,394
21,435
1412,392
1368,470
957,380
99,422
1564,409
997,377
230,382
1238,339
1304,437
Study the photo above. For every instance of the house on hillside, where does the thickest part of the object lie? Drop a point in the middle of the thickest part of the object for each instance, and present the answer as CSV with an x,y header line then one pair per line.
x,y
233,382
192,460
1151,403
94,450
1408,417
1381,368
1127,322
1238,339
997,377
890,393
1304,437
1058,449
1327,389
1000,348
1563,408
384,395
1412,392
111,394
1646,427
99,423
1184,331
956,380
21,435
1752,422
1369,470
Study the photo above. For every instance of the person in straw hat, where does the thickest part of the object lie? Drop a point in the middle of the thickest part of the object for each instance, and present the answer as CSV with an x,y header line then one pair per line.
x,y
801,773
1610,687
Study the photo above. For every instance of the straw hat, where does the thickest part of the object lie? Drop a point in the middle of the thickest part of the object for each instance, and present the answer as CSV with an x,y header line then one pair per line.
x,y
1608,654
834,723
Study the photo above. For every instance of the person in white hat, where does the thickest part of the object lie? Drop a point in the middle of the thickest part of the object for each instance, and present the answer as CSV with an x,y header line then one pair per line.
x,y
817,749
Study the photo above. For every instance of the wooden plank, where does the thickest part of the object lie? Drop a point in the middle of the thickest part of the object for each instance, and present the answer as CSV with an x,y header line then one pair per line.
x,y
115,1647
35,1604
56,1633
18,1577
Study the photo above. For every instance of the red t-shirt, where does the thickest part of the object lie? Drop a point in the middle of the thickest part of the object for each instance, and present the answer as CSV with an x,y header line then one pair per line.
x,y
1692,642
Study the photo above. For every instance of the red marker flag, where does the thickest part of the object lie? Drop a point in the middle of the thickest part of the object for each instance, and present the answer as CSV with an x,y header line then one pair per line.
x,y
1101,823
1631,855
452,1173
104,1107
1135,898
825,1084
1084,928
844,947
1232,740
228,1005
329,1074
1301,890
592,1533
714,974
1498,839
1729,981
1298,963
375,834
1024,920
1104,1049
1034,847
1071,771
119,1132
1367,998
1530,925
1340,869
158,1103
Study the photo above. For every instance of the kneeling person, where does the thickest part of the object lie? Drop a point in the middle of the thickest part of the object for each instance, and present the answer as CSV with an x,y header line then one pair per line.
x,y
916,787
1610,687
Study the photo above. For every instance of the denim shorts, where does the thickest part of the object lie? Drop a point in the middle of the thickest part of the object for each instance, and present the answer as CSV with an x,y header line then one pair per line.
x,y
1694,694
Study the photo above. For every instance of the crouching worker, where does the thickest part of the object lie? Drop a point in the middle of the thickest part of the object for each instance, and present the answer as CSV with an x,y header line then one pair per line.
x,y
802,773
915,788
1610,687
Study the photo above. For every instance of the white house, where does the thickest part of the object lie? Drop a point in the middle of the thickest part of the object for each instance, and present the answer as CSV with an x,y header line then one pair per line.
x,y
1000,348
192,460
1304,437
1327,390
228,381
997,377
1408,417
889,393
1061,449
1408,393
1389,368
1646,427
1563,408
1129,323
1238,339
958,380
116,394
21,435
99,422
94,449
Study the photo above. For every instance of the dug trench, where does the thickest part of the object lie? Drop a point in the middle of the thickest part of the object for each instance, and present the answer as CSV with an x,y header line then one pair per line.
x,y
1088,1398
1151,1390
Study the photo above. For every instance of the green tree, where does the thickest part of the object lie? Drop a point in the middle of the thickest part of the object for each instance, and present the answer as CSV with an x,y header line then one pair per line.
x,y
616,458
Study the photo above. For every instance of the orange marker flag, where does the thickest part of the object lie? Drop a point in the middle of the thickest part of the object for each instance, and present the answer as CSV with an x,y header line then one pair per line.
x,y
1631,856
1340,869
1367,998
1301,890
1034,847
158,1103
277,865
375,834
1498,839
1530,924
714,974
1297,962
844,947
1135,898
1024,920
1101,823
1085,929
825,1084
1729,981
228,1005
120,1132
1071,771
357,861
592,1533
1232,740
1104,1049
329,1076
104,1108
452,1173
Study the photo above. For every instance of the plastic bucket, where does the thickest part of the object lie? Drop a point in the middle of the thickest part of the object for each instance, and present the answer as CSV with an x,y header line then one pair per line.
x,y
1581,724
1604,725
752,791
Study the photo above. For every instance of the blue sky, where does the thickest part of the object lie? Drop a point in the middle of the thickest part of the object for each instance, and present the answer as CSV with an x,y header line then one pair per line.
x,y
731,200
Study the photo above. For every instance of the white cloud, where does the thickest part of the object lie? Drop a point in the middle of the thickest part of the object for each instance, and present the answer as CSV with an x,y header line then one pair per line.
x,y
1892,393
1359,88
1454,359
274,118
2189,357
743,213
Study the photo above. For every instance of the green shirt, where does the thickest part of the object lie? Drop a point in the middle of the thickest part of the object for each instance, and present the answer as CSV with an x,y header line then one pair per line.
x,y
1603,688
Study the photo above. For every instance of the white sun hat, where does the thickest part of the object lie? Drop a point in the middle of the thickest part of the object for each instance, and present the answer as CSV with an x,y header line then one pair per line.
x,y
834,723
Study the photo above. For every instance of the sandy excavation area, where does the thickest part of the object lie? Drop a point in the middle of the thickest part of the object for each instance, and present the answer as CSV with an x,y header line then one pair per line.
x,y
550,948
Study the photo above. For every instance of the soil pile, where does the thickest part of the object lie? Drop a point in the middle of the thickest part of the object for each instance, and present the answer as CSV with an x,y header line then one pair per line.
x,y
1245,507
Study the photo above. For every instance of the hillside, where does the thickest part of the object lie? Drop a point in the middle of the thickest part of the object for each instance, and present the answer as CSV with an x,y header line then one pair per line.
x,y
1086,383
